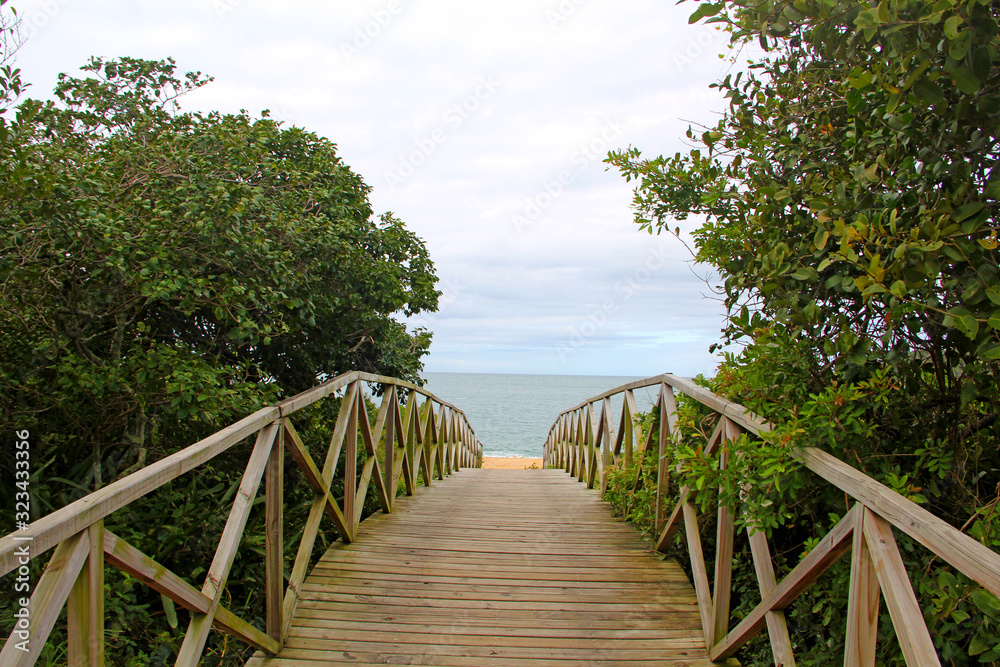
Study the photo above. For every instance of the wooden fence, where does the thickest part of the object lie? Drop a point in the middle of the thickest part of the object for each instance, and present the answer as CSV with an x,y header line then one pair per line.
x,y
432,439
585,443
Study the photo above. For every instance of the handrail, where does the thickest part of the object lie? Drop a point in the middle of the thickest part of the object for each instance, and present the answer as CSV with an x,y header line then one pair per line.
x,y
582,443
434,437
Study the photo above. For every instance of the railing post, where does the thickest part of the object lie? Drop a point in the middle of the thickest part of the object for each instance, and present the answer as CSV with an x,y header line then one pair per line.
x,y
725,533
85,606
863,603
274,536
351,464
604,435
389,449
667,405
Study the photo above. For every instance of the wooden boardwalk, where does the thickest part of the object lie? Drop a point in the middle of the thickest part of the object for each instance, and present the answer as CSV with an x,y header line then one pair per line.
x,y
495,567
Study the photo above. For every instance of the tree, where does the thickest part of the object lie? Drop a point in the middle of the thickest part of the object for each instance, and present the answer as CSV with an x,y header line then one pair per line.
x,y
163,273
850,195
164,268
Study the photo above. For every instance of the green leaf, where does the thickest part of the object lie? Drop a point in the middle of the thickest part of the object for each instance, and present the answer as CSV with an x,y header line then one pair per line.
x,y
986,601
968,210
959,47
969,392
705,9
960,318
169,611
993,293
951,27
928,92
966,81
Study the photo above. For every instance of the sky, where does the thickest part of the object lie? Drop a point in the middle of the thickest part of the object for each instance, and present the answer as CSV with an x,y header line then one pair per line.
x,y
483,125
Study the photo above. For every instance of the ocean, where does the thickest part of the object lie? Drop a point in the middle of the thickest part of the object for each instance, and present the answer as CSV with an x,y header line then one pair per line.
x,y
512,414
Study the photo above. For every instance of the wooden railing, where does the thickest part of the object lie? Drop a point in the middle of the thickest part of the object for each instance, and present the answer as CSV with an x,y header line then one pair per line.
x,y
431,439
585,443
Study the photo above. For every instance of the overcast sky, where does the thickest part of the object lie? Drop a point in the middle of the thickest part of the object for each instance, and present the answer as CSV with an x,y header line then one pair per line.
x,y
482,125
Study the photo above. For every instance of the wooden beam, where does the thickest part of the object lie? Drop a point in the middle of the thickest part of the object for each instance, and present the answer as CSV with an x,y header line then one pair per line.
x,y
734,411
191,649
315,479
604,442
907,619
724,543
127,558
699,573
274,542
809,569
777,627
85,606
53,588
863,603
81,514
975,560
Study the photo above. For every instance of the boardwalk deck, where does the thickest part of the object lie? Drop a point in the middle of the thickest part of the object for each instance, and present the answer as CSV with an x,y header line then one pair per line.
x,y
495,567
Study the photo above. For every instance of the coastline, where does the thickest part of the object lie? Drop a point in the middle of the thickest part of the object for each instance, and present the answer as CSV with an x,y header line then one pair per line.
x,y
510,463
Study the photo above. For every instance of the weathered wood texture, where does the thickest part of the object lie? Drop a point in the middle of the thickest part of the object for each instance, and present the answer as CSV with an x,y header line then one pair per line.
x,y
877,568
437,433
496,567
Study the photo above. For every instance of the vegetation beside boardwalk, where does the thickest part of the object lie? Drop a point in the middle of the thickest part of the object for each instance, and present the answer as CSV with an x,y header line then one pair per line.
x,y
850,195
162,274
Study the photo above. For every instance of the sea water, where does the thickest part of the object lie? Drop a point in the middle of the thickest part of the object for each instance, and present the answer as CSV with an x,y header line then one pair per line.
x,y
512,414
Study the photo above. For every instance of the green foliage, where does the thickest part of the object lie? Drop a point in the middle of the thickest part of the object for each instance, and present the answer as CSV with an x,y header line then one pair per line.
x,y
850,199
163,274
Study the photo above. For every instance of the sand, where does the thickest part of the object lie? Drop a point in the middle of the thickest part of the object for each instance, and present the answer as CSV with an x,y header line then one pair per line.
x,y
497,463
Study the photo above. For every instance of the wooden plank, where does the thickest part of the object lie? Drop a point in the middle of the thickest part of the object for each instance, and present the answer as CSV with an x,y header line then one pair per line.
x,y
863,603
351,462
667,406
975,560
699,573
907,619
604,441
737,413
85,606
672,524
809,569
387,489
319,484
629,412
127,558
724,541
340,429
81,514
471,572
274,542
53,588
777,626
191,649
320,392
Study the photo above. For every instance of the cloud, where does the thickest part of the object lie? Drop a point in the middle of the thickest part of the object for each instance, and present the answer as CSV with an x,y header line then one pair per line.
x,y
482,125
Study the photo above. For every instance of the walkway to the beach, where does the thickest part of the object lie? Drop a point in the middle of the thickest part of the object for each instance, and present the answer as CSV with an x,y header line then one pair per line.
x,y
495,567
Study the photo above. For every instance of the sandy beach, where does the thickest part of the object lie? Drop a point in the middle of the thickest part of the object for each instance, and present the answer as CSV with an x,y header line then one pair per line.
x,y
514,463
